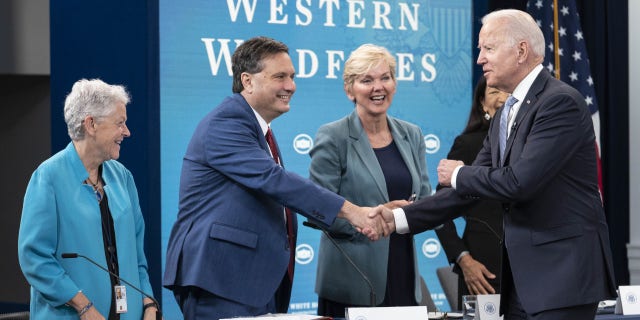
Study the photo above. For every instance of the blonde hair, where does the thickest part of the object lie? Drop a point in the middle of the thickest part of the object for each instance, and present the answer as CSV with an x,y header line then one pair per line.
x,y
363,59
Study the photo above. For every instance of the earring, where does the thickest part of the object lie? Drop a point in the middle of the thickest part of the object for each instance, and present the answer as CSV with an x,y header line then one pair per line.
x,y
487,116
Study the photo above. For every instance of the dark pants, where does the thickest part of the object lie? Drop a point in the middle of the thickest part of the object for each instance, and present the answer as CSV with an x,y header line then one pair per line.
x,y
198,304
514,311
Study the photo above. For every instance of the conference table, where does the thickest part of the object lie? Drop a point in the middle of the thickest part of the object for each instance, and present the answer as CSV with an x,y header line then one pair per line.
x,y
598,317
617,317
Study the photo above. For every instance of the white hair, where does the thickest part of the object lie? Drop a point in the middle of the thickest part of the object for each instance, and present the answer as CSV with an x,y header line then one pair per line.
x,y
519,26
91,98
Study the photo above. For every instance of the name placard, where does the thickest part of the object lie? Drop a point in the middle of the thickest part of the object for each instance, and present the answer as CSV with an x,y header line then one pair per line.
x,y
488,307
628,300
385,313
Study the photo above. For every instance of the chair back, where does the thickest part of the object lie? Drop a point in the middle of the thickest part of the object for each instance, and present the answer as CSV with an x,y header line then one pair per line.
x,y
449,282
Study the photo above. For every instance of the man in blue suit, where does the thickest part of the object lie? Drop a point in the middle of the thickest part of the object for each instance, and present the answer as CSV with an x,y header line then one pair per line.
x,y
230,250
556,254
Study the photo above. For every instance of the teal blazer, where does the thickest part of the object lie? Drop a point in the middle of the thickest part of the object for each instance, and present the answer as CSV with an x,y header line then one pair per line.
x,y
60,214
344,162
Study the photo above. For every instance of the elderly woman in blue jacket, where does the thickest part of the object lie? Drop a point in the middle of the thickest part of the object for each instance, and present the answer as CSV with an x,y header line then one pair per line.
x,y
81,200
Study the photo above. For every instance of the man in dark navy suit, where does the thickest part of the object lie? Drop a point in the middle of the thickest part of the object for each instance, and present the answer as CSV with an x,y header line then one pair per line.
x,y
230,250
556,254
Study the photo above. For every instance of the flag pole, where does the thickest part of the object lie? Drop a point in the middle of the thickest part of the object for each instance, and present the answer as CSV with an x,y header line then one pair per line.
x,y
556,39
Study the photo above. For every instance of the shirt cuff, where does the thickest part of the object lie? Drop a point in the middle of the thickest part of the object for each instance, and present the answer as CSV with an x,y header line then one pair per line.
x,y
400,219
462,254
454,176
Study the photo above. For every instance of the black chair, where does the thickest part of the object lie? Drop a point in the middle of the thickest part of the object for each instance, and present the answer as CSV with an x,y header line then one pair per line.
x,y
24,315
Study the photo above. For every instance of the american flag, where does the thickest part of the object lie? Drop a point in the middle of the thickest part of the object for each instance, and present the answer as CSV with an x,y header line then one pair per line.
x,y
566,54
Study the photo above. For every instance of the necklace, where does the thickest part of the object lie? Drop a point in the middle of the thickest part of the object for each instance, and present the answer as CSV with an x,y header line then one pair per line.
x,y
96,188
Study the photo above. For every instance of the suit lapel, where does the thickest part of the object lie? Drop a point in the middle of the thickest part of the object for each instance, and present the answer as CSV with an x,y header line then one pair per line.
x,y
494,132
525,108
364,152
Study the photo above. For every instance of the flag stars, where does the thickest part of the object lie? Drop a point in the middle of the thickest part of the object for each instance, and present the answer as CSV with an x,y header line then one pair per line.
x,y
565,10
562,32
539,4
588,100
539,23
578,35
573,76
550,67
550,46
577,56
560,52
590,81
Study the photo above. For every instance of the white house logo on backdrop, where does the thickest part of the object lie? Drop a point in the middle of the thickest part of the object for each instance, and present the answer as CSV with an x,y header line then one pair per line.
x,y
432,143
302,143
430,39
431,248
304,254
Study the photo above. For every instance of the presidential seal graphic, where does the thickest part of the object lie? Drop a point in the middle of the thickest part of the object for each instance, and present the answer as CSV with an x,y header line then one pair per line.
x,y
490,308
304,253
632,298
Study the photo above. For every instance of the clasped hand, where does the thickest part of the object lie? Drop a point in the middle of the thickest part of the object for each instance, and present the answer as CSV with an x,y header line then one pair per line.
x,y
383,217
445,171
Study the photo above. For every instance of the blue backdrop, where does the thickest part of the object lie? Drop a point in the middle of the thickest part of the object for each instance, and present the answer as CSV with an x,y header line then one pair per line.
x,y
430,39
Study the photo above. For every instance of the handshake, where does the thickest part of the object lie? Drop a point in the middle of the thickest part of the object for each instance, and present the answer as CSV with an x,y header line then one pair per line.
x,y
380,221
373,222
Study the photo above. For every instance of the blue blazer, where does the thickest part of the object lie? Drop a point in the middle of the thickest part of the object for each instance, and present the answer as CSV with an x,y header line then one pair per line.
x,y
230,235
555,232
343,161
60,214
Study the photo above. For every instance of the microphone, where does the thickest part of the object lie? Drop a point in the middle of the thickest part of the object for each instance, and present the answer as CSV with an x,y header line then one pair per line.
x,y
372,293
75,255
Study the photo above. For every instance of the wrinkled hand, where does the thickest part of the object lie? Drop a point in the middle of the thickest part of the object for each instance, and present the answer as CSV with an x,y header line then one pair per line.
x,y
387,216
445,171
396,204
366,220
475,276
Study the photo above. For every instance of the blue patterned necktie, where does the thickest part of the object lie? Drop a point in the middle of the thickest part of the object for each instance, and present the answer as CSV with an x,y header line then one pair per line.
x,y
504,124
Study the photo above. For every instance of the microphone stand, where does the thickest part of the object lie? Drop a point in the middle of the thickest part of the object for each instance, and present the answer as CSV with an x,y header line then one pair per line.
x,y
75,255
372,293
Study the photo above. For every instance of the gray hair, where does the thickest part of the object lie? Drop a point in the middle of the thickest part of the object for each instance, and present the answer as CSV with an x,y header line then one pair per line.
x,y
519,26
91,98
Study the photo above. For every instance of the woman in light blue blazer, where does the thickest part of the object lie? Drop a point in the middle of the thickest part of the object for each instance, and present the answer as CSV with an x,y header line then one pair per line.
x,y
82,201
369,158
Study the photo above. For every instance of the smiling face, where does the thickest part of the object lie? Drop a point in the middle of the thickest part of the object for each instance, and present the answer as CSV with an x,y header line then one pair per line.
x,y
269,91
373,91
110,131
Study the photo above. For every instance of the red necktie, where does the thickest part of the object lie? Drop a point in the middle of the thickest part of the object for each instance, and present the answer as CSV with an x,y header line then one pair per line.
x,y
274,153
